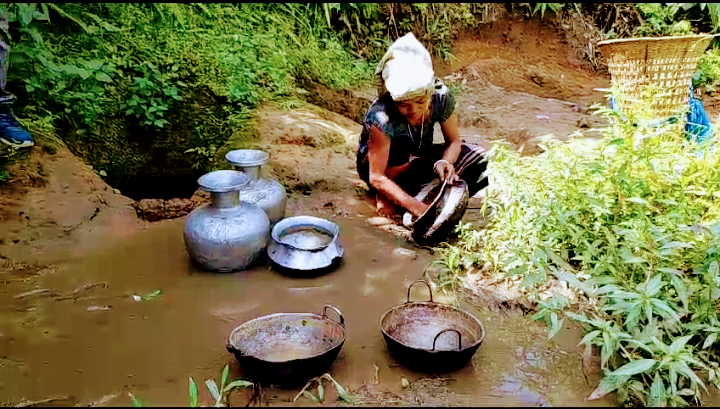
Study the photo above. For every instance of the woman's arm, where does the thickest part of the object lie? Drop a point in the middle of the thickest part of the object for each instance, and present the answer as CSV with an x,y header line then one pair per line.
x,y
379,152
451,133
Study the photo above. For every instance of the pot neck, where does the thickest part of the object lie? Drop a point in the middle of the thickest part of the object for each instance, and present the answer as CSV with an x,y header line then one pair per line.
x,y
253,172
225,199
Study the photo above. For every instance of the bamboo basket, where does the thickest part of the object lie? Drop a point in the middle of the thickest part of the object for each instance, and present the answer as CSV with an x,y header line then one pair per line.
x,y
664,64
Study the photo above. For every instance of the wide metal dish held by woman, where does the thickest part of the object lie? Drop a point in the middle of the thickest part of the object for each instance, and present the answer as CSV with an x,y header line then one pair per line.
x,y
431,337
447,202
288,349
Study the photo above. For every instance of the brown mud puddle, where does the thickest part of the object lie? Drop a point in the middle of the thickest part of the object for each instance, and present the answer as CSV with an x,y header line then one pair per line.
x,y
77,330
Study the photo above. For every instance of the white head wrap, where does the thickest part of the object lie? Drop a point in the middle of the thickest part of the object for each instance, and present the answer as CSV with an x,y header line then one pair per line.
x,y
406,69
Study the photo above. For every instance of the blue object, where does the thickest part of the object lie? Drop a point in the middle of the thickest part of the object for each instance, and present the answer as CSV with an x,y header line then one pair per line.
x,y
697,126
11,133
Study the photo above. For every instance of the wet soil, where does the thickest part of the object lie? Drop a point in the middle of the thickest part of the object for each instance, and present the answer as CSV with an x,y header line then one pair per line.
x,y
74,329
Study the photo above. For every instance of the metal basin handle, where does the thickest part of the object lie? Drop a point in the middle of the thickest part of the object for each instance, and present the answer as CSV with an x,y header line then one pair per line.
x,y
419,281
446,330
342,320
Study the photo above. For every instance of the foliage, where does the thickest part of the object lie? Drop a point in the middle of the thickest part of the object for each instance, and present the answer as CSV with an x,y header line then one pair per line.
x,y
661,20
544,6
108,73
220,395
632,224
371,27
342,393
707,76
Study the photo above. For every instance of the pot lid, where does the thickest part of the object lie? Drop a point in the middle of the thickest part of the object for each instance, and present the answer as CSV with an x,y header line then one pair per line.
x,y
223,181
247,157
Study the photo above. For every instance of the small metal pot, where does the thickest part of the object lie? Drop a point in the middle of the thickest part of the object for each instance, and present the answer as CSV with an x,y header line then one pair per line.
x,y
288,349
304,245
431,337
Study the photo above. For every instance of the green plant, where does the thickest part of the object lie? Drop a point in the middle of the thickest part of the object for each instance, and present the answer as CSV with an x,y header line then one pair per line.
x,y
153,94
660,20
320,397
707,76
220,395
631,223
544,6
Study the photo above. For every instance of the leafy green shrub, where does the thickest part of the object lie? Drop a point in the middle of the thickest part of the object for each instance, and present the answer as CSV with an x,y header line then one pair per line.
x,y
661,20
632,223
707,76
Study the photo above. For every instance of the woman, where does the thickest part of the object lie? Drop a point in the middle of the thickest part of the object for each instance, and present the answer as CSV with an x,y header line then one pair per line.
x,y
396,155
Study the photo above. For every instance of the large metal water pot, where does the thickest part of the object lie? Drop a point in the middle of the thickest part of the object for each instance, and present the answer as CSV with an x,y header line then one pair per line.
x,y
227,234
268,194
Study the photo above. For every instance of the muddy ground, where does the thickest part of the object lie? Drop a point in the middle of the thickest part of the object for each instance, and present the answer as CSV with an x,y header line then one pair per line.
x,y
74,252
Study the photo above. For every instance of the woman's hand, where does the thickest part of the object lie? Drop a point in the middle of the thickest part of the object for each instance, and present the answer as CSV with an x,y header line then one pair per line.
x,y
445,170
418,208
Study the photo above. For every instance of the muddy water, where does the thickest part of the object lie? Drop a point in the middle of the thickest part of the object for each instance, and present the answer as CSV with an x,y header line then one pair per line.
x,y
88,338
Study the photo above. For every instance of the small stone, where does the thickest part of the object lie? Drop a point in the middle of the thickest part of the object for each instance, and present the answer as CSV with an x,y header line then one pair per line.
x,y
405,253
405,383
116,191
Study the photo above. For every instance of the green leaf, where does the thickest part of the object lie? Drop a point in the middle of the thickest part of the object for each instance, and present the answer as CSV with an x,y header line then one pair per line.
x,y
101,76
638,200
634,367
556,325
71,17
238,383
608,384
225,377
194,393
657,392
45,10
589,337
654,286
679,344
710,340
680,289
714,268
310,396
213,389
341,391
633,317
94,64
136,403
150,296
26,11
675,245
321,391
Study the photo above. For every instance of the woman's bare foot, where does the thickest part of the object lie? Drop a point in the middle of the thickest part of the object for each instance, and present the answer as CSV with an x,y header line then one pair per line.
x,y
385,207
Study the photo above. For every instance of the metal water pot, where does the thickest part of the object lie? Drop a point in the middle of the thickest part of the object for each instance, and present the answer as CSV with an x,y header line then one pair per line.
x,y
268,194
227,234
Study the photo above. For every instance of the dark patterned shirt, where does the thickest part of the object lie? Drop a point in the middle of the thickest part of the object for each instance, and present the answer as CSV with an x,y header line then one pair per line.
x,y
405,139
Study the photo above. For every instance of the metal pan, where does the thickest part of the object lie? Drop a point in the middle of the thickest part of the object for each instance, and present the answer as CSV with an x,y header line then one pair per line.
x,y
431,337
443,214
288,349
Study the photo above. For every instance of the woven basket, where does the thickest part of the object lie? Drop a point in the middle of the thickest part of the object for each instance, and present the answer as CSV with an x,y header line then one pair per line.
x,y
667,63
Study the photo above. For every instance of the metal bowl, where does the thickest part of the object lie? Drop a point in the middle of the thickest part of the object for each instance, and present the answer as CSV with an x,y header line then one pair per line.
x,y
288,348
448,206
304,244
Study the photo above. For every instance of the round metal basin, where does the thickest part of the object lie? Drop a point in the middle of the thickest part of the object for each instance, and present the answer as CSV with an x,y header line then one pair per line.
x,y
304,244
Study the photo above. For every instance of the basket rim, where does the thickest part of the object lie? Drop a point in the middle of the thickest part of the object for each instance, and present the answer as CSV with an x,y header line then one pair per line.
x,y
643,39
